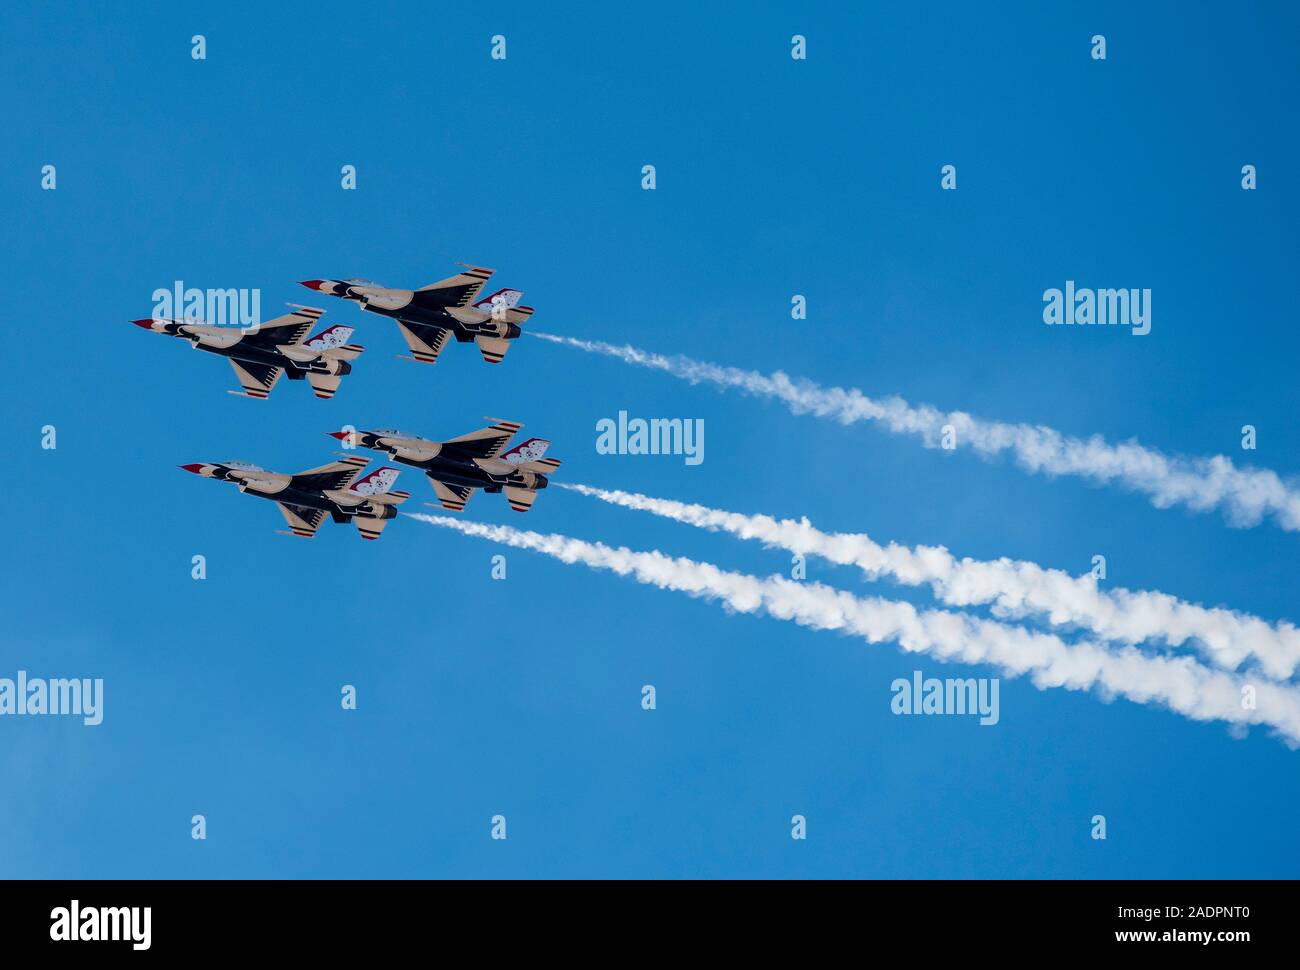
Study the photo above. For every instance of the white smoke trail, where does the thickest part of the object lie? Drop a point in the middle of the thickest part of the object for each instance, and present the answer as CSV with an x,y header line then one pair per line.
x,y
1244,496
1014,588
1178,683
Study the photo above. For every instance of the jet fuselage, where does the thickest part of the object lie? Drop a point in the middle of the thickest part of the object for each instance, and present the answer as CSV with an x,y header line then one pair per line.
x,y
473,475
228,342
278,488
423,308
446,465
464,330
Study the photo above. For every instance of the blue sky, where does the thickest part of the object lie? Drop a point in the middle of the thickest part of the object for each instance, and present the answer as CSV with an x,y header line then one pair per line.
x,y
521,697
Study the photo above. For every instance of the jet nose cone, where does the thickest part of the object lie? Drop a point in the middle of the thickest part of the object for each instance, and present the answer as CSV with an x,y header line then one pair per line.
x,y
195,468
341,435
311,284
146,324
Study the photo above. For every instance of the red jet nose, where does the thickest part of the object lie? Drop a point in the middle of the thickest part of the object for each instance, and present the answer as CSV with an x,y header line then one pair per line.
x,y
341,435
147,324
311,284
193,468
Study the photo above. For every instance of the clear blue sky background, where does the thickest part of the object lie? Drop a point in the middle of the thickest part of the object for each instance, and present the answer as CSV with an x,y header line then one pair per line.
x,y
522,697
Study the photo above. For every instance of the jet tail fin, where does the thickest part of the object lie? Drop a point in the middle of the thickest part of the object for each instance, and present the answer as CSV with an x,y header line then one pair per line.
x,y
378,482
543,465
520,499
329,338
369,527
324,384
493,349
391,498
526,451
346,352
378,487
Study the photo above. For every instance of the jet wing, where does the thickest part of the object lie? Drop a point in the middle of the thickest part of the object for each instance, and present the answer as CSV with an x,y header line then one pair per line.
x,y
255,379
426,341
288,329
452,497
485,442
335,475
455,291
302,521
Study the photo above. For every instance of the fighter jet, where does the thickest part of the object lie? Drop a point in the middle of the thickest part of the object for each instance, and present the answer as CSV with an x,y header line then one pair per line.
x,y
304,499
261,354
427,317
474,460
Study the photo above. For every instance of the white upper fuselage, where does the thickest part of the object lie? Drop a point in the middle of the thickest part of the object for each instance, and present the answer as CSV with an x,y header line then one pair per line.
x,y
410,447
383,299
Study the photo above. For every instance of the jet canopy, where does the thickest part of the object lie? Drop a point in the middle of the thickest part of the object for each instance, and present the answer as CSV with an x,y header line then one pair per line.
x,y
394,433
243,466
